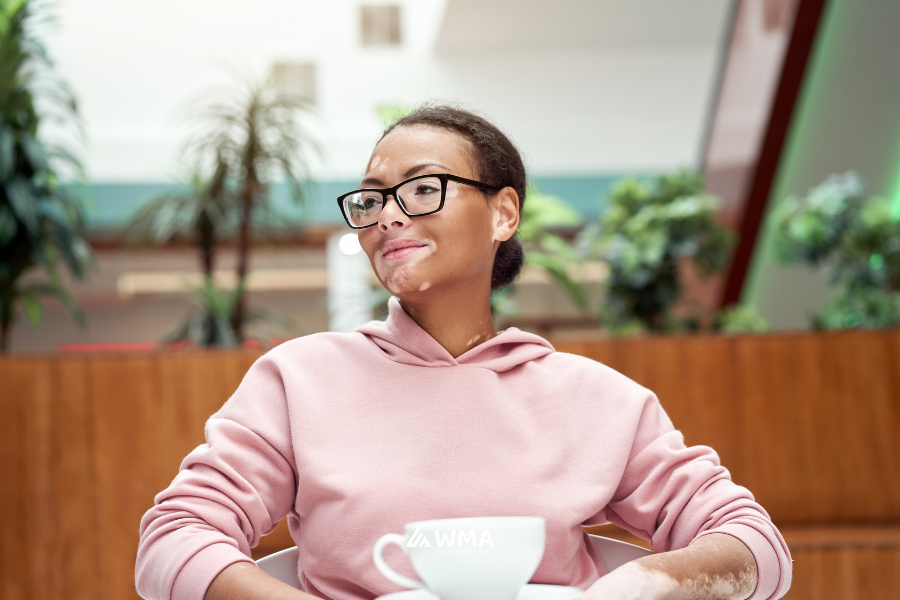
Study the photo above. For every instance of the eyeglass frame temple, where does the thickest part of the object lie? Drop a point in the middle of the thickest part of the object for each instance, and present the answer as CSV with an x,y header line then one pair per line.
x,y
392,191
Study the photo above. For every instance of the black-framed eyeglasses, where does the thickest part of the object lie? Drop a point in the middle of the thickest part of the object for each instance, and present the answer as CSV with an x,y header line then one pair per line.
x,y
419,196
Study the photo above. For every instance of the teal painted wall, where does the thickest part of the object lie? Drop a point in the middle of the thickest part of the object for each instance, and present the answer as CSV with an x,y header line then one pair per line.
x,y
110,205
847,118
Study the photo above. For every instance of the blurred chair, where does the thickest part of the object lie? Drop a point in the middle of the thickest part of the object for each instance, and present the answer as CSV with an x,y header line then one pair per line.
x,y
615,553
284,565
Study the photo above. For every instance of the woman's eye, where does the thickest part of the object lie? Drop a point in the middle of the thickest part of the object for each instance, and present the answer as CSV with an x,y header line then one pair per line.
x,y
371,201
427,189
357,208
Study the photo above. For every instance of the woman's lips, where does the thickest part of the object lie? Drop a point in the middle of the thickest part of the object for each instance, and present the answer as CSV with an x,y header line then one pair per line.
x,y
402,252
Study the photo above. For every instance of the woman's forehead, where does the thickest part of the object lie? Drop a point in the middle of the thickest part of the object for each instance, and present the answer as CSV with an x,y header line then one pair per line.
x,y
406,147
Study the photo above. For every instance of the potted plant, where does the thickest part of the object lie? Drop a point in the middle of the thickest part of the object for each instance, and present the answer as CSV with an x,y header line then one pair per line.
x,y
41,223
245,138
857,239
649,230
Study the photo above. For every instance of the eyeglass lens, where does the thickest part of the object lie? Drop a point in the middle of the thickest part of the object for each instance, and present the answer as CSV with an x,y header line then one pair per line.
x,y
419,196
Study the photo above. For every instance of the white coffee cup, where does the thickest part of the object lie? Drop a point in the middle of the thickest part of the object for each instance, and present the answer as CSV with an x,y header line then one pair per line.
x,y
471,558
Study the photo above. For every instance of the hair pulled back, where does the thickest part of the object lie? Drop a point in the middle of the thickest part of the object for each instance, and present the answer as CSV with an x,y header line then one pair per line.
x,y
496,161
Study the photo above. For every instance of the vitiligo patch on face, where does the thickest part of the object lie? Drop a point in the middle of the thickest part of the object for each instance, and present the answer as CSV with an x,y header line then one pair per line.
x,y
424,286
378,160
397,280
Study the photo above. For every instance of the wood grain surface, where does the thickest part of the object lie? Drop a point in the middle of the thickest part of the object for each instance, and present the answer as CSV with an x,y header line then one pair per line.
x,y
86,443
807,422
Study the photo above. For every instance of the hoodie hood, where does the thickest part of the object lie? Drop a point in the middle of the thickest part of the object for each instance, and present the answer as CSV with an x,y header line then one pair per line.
x,y
403,340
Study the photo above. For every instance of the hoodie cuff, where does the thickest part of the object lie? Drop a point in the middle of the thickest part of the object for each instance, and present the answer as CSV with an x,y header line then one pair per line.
x,y
199,571
768,569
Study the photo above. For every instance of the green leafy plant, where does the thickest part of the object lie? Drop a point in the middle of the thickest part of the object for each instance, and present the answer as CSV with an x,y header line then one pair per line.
x,y
650,228
391,113
857,239
245,138
541,224
740,320
41,224
210,324
502,302
201,213
256,132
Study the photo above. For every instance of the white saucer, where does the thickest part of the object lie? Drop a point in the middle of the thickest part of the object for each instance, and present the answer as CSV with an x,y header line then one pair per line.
x,y
529,591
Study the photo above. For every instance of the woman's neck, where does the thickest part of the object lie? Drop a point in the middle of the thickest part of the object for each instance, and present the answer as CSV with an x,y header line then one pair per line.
x,y
459,321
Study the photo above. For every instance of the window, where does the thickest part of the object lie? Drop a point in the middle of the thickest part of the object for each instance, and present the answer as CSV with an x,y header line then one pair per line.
x,y
380,25
295,82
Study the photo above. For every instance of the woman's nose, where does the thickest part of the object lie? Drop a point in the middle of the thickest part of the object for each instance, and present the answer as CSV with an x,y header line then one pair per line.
x,y
391,213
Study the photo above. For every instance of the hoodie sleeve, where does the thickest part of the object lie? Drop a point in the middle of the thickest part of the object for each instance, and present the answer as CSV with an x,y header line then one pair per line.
x,y
672,494
228,493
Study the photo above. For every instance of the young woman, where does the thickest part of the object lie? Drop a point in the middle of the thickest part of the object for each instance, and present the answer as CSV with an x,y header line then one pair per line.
x,y
434,414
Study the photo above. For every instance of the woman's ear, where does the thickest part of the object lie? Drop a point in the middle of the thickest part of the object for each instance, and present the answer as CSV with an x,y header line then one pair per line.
x,y
506,214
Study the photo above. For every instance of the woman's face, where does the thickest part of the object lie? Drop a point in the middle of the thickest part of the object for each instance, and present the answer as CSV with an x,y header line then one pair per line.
x,y
454,246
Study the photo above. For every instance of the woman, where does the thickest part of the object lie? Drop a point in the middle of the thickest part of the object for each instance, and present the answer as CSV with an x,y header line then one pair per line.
x,y
434,414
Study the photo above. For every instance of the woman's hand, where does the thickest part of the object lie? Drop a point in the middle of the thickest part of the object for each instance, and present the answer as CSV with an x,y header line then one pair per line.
x,y
717,566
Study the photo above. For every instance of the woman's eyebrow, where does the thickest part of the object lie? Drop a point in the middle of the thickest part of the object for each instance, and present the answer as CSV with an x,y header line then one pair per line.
x,y
409,173
414,170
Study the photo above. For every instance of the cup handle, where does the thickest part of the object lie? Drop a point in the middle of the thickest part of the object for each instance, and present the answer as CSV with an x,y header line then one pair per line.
x,y
393,538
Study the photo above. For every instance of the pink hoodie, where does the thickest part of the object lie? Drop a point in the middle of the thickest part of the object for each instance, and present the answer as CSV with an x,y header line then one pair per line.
x,y
352,435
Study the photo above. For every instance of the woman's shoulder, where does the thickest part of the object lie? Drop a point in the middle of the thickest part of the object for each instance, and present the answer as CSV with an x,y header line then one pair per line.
x,y
309,350
321,344
589,371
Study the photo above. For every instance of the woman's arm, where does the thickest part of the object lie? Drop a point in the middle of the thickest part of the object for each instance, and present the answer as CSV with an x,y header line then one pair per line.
x,y
677,496
716,566
228,493
246,581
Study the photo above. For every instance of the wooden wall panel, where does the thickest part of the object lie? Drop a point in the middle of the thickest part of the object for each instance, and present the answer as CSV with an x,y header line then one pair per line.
x,y
85,445
128,417
13,486
76,476
10,475
852,573
34,515
774,378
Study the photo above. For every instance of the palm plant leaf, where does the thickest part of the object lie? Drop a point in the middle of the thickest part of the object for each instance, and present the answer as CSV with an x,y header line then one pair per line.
x,y
41,225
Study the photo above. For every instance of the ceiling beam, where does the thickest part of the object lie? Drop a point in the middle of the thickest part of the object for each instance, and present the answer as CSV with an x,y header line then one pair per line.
x,y
806,23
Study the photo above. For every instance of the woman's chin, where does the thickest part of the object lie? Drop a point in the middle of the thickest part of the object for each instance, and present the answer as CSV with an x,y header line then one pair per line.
x,y
405,286
403,279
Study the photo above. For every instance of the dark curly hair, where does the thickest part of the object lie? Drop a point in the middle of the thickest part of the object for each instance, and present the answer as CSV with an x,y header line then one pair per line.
x,y
497,162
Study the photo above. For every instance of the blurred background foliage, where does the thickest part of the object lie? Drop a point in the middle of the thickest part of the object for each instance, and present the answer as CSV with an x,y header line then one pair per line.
x,y
241,141
544,221
41,223
857,239
650,229
740,319
201,213
245,138
391,113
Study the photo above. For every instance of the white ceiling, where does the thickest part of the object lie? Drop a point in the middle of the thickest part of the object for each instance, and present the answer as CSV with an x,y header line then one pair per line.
x,y
514,25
